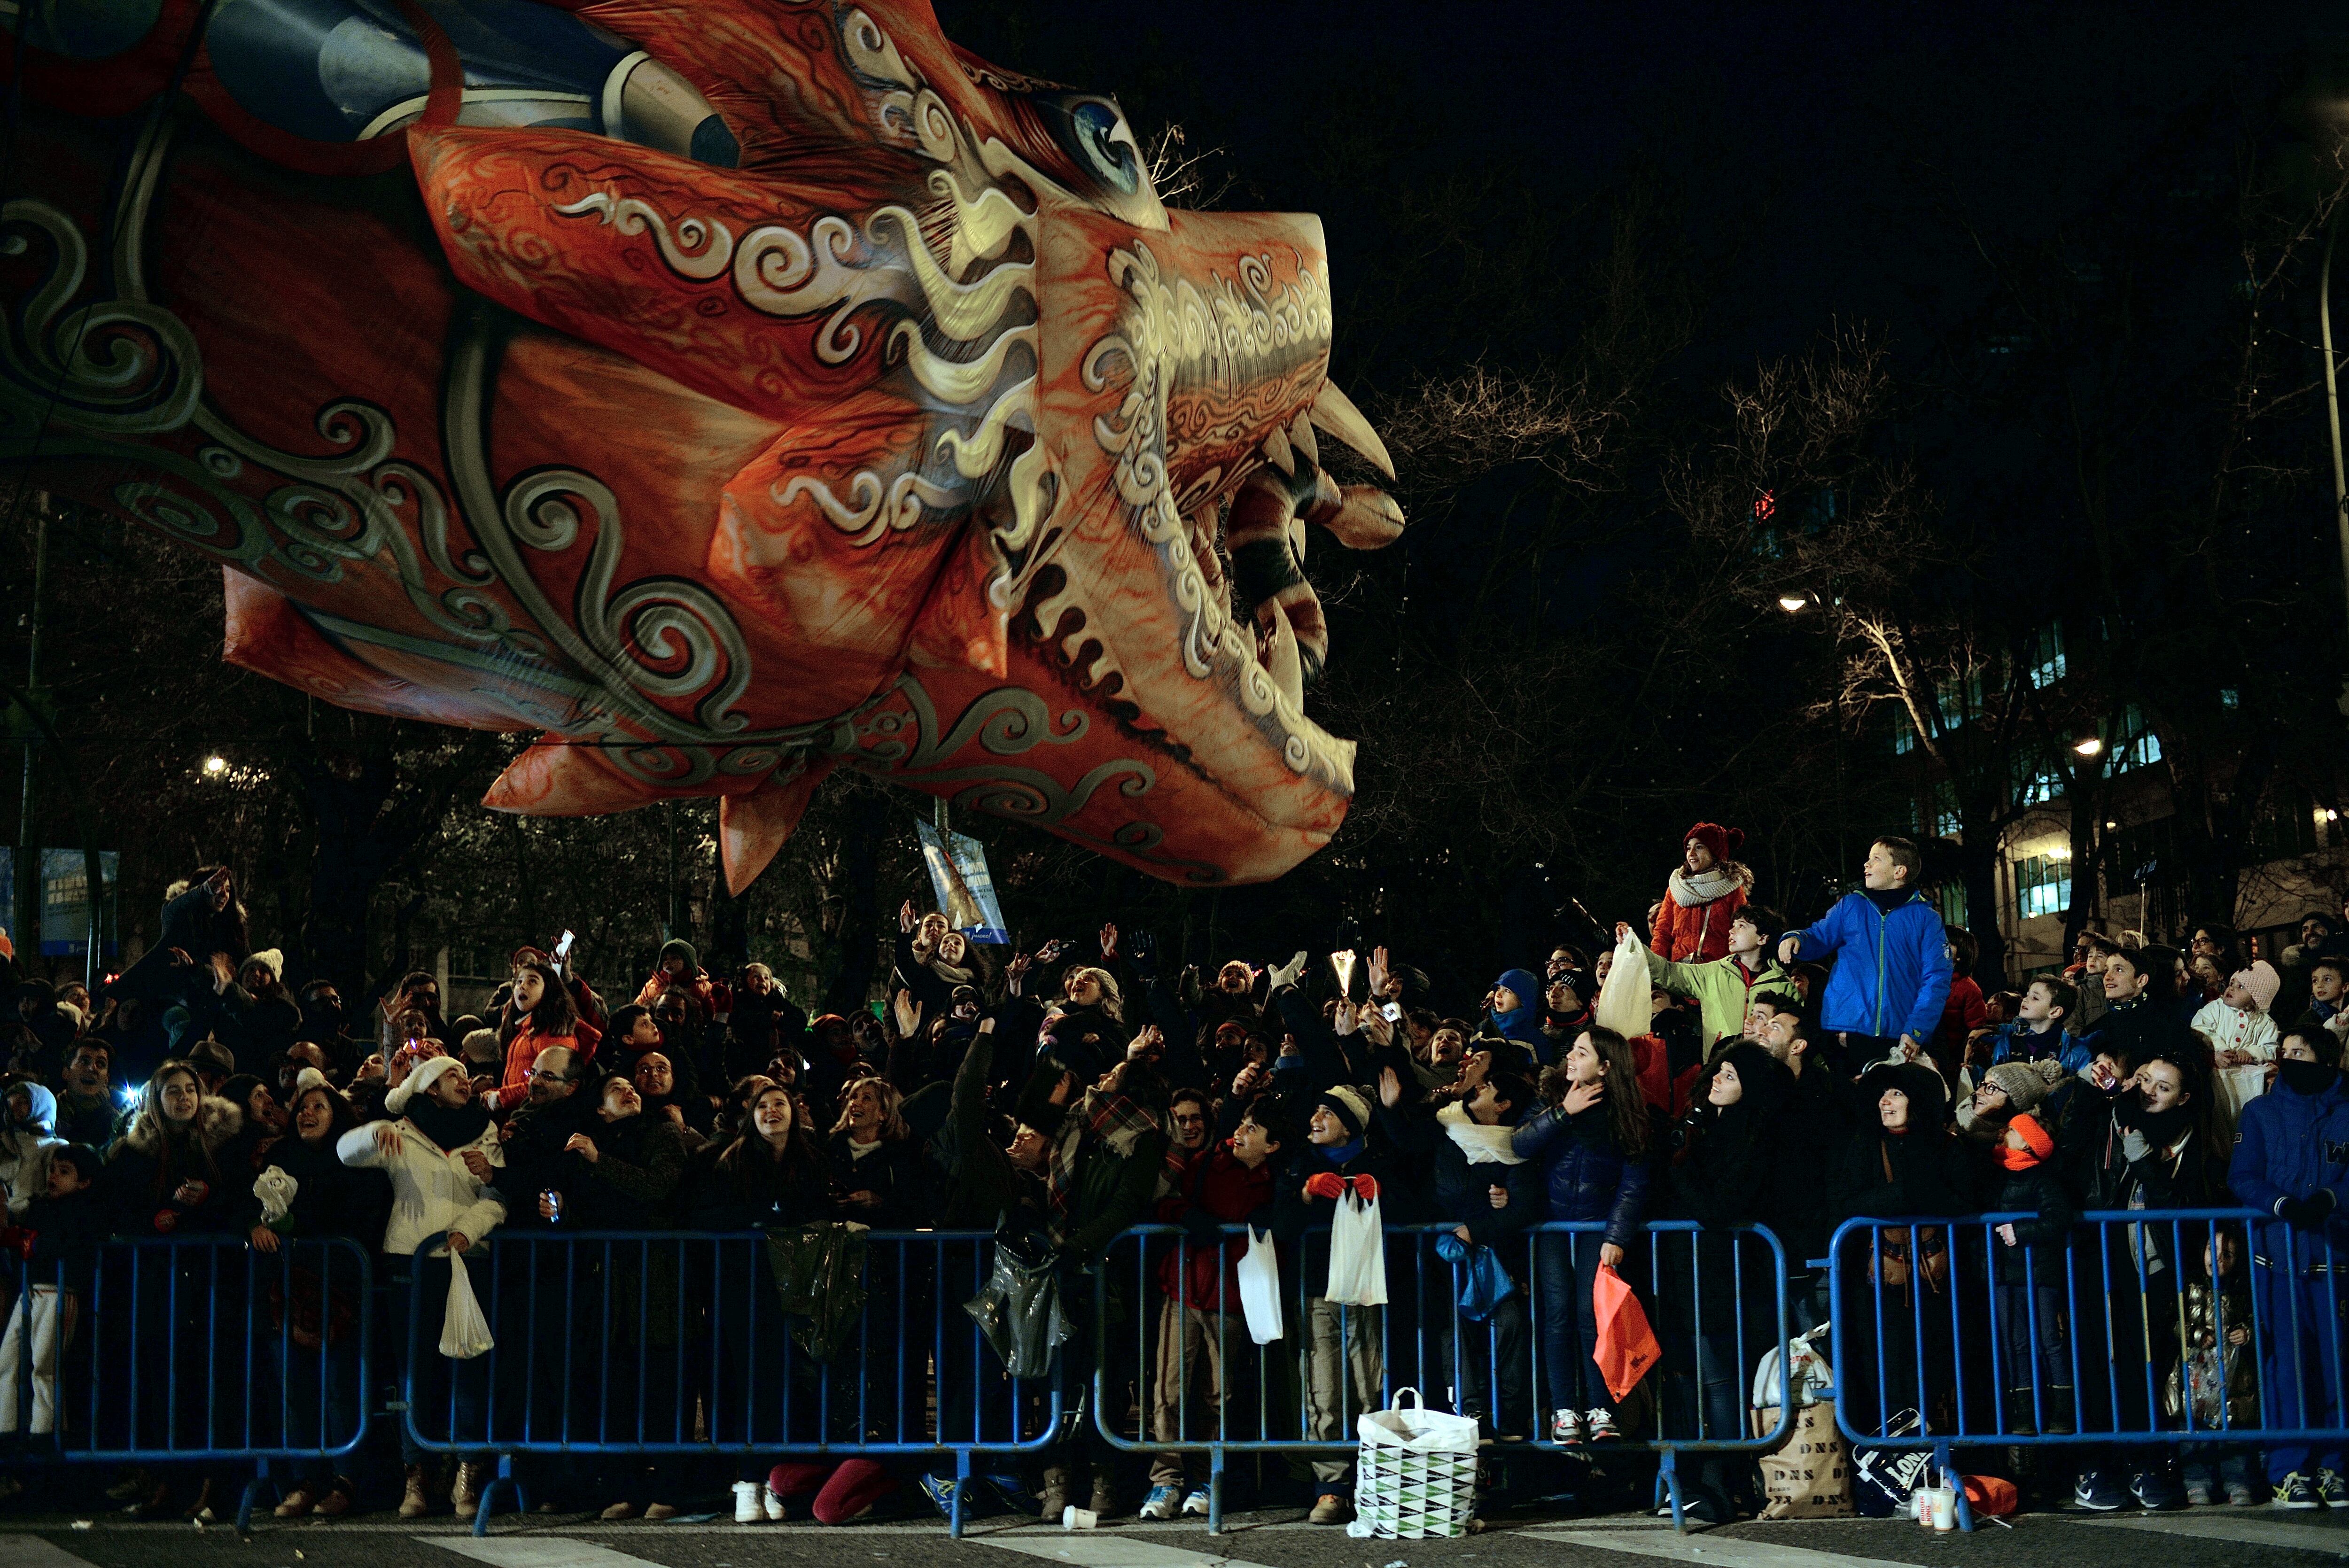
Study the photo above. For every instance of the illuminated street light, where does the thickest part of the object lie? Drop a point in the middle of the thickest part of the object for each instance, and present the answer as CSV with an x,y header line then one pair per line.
x,y
215,765
1791,603
2089,748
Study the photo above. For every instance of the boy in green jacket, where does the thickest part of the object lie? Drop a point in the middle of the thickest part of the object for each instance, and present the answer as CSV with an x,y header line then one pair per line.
x,y
1724,986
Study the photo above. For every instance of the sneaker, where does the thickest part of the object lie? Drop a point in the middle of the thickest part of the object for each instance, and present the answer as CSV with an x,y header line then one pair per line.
x,y
1161,1503
2296,1490
2331,1490
1566,1427
1015,1494
746,1502
1697,1510
940,1491
1195,1504
1329,1509
2241,1495
2099,1491
1601,1425
2155,1488
2197,1494
771,1503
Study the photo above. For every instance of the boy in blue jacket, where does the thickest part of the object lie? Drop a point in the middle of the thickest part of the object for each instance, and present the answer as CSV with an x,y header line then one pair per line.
x,y
2037,1029
1891,960
2292,1161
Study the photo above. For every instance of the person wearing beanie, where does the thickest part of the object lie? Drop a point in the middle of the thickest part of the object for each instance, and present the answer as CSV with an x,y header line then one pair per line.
x,y
1515,1005
2292,1164
438,1154
2237,1024
1704,894
1343,1346
2028,1273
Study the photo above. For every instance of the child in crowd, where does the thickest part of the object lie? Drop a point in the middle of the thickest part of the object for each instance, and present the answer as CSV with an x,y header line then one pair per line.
x,y
65,1225
2237,1025
2218,1373
2037,1028
2034,1352
2328,994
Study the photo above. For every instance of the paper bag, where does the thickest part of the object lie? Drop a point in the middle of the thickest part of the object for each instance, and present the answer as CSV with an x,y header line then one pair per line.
x,y
1808,1476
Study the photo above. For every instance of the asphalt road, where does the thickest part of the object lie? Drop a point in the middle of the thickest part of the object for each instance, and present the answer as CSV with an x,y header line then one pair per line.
x,y
2241,1538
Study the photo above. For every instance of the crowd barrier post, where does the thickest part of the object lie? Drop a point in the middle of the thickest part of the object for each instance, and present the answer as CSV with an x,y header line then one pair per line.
x,y
1438,1349
2096,1346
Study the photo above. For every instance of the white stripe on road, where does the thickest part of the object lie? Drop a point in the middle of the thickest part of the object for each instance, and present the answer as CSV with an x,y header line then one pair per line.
x,y
32,1551
1720,1551
1084,1549
2211,1525
530,1552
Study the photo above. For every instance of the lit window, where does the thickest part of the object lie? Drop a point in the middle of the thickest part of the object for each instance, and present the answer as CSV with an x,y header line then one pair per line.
x,y
2228,697
2045,655
1904,734
2138,746
2043,885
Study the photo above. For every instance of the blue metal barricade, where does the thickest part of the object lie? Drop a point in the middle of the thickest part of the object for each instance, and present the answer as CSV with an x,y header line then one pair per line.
x,y
196,1348
658,1343
1166,1318
2171,1326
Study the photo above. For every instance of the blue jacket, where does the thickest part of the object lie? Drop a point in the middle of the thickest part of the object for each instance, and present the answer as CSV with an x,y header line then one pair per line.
x,y
2288,1145
1891,971
1586,1178
2016,1042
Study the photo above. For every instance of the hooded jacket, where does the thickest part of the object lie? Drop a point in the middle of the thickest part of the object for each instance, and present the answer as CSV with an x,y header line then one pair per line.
x,y
2294,1145
25,1150
134,1163
1891,970
699,990
1522,1023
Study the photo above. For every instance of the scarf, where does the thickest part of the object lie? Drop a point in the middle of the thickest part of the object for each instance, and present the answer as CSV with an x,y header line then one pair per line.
x,y
1343,1153
450,1127
1111,1118
1482,1145
1887,898
2016,1159
1717,882
2161,1127
2311,1078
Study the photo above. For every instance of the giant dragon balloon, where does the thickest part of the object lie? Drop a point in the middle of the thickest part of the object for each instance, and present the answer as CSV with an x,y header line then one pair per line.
x,y
724,390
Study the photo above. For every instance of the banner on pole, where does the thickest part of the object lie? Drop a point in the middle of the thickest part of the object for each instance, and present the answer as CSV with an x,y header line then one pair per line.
x,y
64,900
958,876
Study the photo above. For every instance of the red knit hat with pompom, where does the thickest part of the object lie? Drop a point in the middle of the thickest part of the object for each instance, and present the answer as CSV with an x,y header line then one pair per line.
x,y
1724,842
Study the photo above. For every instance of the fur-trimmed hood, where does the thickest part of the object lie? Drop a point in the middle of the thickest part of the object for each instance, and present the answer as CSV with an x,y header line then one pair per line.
x,y
217,1121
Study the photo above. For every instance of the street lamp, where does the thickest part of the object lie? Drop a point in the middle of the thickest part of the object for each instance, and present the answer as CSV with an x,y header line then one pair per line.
x,y
1791,603
215,765
2091,747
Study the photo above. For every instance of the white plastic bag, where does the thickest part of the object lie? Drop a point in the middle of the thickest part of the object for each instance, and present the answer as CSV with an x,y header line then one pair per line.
x,y
1625,1001
1809,1377
275,1188
1259,1276
464,1332
1358,1252
1416,1428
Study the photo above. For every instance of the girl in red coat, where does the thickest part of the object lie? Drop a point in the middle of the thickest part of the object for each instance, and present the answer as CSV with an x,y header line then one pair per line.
x,y
1707,889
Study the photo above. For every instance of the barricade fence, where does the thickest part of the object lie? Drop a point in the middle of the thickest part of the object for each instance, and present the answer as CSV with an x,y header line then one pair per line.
x,y
672,1343
2173,1327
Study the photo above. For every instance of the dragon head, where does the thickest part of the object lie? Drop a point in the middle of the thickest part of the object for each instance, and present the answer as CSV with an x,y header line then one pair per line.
x,y
761,387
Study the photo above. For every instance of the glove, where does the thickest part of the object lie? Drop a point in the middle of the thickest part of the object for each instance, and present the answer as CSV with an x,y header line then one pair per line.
x,y
2305,1213
1325,1184
2134,1146
1286,973
1366,1188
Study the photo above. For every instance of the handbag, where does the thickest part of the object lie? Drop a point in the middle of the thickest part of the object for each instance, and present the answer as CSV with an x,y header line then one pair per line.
x,y
1358,1252
1260,1279
1889,1263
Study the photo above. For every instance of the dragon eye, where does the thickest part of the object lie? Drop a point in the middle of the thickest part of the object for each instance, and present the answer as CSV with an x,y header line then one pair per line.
x,y
1096,136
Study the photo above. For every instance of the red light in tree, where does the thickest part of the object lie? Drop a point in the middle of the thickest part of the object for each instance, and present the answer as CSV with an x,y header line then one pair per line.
x,y
1765,506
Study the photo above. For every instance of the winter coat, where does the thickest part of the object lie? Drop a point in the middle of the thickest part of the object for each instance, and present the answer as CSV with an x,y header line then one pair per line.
x,y
1822,1116
330,1198
1111,1191
2039,1192
632,1183
1721,989
2017,1041
1302,1222
134,1165
716,1199
1584,1171
24,1150
432,1190
892,1171
2135,1029
1437,1145
66,1234
522,1050
1721,1179
700,993
1891,970
1961,1015
2238,1029
982,1184
534,1158
2290,1145
1923,1171
1217,1190
1693,925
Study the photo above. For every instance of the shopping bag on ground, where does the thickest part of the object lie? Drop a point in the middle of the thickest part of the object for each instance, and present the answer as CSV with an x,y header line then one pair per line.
x,y
1627,1346
1358,1252
1415,1472
1416,1428
1883,1480
1809,1377
1626,1004
464,1332
1259,1277
1808,1475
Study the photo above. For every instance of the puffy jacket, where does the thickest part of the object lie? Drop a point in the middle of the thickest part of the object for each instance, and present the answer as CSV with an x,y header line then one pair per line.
x,y
2016,1041
1891,971
1585,1172
1721,989
2288,1145
433,1191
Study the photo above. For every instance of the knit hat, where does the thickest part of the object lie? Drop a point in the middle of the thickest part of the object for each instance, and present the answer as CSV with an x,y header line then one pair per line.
x,y
1348,1105
427,1073
1724,842
307,1079
2033,1135
271,959
481,1046
2025,1083
2261,981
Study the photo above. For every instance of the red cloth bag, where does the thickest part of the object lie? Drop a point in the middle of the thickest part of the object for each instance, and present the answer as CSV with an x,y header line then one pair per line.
x,y
1627,1346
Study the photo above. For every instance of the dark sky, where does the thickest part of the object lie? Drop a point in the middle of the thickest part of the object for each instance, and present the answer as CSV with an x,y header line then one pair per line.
x,y
1812,139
